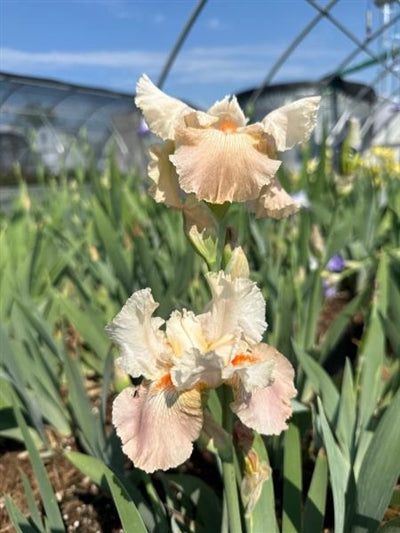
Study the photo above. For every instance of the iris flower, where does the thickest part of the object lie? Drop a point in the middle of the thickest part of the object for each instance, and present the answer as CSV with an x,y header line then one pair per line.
x,y
218,157
184,357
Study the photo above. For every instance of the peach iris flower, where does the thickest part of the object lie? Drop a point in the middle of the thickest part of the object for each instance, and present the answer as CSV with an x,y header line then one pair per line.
x,y
216,155
180,359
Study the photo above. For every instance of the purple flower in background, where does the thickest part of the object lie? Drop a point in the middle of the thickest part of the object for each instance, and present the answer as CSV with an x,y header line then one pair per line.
x,y
330,281
330,289
335,263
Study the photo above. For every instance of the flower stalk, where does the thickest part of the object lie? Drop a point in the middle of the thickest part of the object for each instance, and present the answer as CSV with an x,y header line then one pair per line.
x,y
228,468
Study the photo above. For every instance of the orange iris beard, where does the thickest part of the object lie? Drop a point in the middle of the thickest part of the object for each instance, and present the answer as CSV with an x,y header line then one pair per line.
x,y
164,382
242,359
228,126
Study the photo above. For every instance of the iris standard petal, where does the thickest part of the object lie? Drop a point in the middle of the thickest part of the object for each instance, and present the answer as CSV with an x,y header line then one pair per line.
x,y
184,332
237,304
143,347
197,369
228,110
157,424
267,409
222,167
293,123
162,112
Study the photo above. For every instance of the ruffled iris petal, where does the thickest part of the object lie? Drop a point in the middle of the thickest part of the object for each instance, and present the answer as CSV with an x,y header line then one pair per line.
x,y
221,167
198,369
184,332
157,424
293,123
143,346
267,409
162,112
228,109
237,304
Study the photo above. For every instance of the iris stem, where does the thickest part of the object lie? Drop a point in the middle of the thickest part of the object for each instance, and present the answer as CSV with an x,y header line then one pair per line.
x,y
228,468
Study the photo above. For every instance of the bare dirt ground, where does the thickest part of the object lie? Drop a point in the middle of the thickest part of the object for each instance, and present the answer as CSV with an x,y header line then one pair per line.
x,y
83,506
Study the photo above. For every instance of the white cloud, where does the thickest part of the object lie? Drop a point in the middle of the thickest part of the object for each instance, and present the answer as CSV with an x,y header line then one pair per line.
x,y
11,58
243,65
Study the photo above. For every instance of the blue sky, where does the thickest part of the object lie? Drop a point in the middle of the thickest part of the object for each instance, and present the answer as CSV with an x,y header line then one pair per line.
x,y
109,43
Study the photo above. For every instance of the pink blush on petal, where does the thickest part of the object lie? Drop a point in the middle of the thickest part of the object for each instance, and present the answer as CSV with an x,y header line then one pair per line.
x,y
157,426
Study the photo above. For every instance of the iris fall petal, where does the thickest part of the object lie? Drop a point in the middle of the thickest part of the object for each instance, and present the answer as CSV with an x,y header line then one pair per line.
x,y
157,425
221,167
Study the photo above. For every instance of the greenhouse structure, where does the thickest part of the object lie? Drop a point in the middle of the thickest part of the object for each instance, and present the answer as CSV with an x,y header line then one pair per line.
x,y
61,126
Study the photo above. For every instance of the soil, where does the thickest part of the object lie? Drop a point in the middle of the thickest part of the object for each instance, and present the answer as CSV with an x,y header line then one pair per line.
x,y
83,506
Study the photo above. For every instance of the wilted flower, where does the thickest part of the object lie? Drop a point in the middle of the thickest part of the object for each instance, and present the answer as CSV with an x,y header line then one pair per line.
x,y
159,420
256,472
216,155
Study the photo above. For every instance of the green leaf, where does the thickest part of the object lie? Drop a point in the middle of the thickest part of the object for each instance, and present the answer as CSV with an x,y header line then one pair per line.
x,y
89,323
373,346
208,507
312,310
18,520
9,427
33,508
91,435
292,482
339,469
347,412
39,325
379,470
89,466
13,374
320,382
128,513
314,511
97,471
112,244
46,491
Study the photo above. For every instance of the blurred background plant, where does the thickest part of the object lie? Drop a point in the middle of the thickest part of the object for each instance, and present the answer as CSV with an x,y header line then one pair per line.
x,y
71,257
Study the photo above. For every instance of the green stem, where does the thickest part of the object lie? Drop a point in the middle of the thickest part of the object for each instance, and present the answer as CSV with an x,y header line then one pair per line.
x,y
228,468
